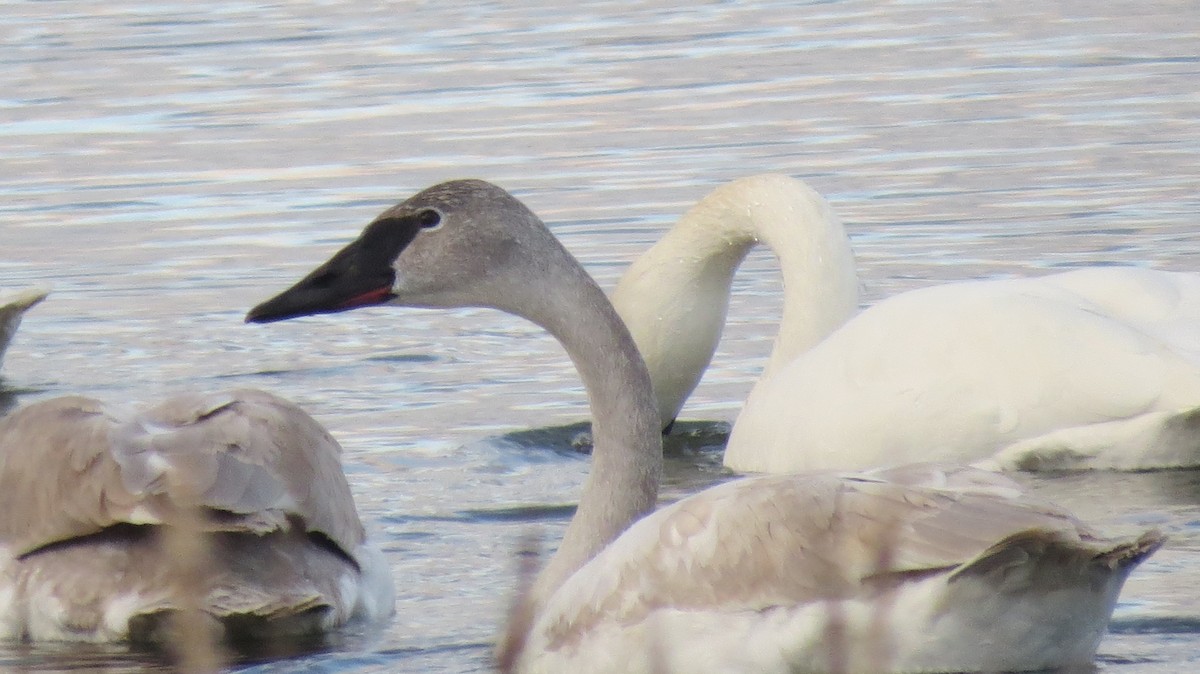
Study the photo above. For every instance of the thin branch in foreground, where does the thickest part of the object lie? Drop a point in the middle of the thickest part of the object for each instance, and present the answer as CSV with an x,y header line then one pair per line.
x,y
193,636
521,610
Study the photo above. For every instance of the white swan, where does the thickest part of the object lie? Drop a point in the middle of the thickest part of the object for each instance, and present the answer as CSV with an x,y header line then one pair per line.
x,y
1090,369
85,490
938,570
13,305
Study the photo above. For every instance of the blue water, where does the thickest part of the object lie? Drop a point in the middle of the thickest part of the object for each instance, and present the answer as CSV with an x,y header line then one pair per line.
x,y
165,166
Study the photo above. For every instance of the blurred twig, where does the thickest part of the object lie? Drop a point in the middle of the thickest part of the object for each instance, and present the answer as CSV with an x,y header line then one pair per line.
x,y
521,612
192,634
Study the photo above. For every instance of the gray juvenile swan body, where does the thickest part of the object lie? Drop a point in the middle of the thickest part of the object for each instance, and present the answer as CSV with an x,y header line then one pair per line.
x,y
13,305
937,569
85,489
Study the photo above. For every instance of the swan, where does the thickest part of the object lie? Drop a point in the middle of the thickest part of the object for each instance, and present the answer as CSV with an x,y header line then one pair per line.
x,y
13,305
1096,368
939,569
85,489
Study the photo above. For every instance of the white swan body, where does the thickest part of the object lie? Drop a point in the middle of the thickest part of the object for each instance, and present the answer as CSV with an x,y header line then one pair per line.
x,y
933,569
13,305
1091,369
85,490
1042,373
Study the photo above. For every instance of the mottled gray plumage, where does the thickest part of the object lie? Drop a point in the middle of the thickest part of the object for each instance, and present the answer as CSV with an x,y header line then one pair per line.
x,y
775,542
85,488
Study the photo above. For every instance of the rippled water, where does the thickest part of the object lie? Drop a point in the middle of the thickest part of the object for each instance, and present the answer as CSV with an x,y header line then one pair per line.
x,y
167,165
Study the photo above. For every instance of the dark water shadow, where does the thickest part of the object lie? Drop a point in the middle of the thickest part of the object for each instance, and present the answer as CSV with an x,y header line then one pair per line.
x,y
277,654
8,399
692,451
69,657
696,439
10,395
72,657
692,455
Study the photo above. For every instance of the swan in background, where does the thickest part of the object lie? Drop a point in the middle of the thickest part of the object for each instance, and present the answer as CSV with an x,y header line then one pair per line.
x,y
1090,369
85,490
13,305
936,569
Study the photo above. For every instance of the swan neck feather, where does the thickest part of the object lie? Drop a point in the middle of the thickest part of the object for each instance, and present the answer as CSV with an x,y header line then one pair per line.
x,y
627,446
676,295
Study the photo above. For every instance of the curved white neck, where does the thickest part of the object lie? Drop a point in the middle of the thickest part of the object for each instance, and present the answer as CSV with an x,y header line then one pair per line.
x,y
674,297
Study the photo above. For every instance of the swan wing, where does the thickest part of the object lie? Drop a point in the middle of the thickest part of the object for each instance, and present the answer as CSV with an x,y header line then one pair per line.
x,y
57,477
1162,305
783,541
960,371
71,467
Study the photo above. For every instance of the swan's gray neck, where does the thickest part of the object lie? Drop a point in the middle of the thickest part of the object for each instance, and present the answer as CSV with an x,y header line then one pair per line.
x,y
627,445
675,296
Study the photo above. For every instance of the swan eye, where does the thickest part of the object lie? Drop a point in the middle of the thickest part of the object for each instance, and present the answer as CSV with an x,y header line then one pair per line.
x,y
429,218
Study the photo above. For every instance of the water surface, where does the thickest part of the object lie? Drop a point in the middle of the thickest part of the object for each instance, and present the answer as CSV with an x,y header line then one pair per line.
x,y
165,166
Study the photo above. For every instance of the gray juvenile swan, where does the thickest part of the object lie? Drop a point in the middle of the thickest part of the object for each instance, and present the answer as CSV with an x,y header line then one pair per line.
x,y
85,489
13,305
938,569
1096,368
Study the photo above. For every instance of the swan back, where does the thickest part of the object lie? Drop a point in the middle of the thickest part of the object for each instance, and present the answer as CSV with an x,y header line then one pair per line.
x,y
247,454
675,296
748,575
1090,369
930,566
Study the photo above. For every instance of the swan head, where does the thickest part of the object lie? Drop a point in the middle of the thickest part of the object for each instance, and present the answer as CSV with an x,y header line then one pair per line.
x,y
459,243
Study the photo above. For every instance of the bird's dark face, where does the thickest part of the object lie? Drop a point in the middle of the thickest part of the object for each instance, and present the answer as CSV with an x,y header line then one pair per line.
x,y
460,243
361,274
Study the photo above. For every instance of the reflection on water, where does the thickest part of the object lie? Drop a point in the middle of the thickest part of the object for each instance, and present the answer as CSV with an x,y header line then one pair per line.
x,y
167,165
